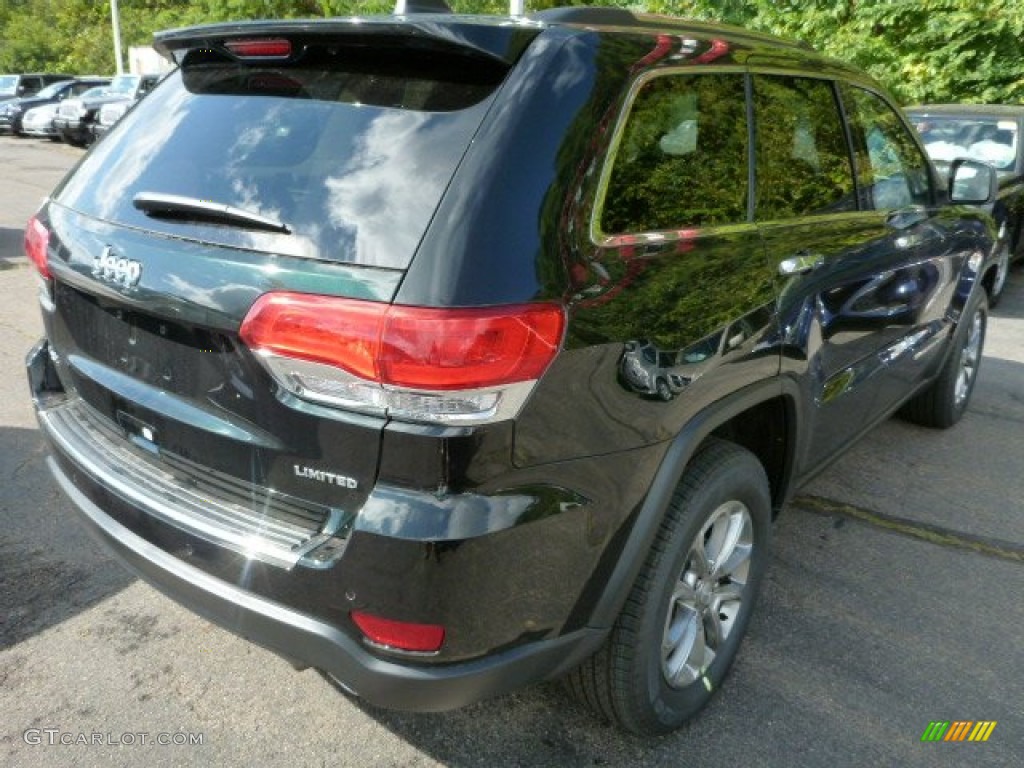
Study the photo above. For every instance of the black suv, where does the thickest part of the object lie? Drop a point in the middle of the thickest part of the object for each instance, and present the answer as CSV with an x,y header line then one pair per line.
x,y
336,321
17,86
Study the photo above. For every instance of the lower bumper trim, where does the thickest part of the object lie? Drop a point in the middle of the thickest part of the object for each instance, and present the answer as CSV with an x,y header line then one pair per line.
x,y
306,640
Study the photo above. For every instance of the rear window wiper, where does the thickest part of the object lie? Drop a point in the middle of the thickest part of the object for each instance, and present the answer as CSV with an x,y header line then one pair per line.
x,y
196,209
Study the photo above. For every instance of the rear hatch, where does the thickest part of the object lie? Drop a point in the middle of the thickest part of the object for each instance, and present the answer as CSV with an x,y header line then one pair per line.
x,y
306,158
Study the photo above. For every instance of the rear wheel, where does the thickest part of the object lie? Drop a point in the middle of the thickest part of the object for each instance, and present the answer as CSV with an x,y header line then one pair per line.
x,y
681,627
1002,270
945,400
664,393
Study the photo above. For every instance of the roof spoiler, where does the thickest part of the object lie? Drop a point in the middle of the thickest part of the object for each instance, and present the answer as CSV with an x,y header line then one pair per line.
x,y
406,7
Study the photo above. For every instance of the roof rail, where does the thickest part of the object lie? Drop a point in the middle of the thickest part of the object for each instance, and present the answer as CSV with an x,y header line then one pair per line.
x,y
587,15
404,7
620,17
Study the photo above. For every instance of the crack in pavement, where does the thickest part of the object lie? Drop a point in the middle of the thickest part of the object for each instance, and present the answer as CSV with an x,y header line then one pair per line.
x,y
935,534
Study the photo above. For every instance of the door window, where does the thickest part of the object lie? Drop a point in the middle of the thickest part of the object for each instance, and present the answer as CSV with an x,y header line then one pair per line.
x,y
803,161
683,157
891,170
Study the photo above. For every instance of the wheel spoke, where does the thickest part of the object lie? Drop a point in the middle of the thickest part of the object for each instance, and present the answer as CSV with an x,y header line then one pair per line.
x,y
684,595
728,593
713,631
731,536
699,559
737,561
688,643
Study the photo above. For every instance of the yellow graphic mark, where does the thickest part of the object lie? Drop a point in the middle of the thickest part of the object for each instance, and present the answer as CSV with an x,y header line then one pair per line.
x,y
982,730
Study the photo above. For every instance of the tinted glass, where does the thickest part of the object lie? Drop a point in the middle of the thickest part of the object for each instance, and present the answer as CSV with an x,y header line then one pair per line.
x,y
52,90
79,88
303,144
682,160
891,170
124,83
803,163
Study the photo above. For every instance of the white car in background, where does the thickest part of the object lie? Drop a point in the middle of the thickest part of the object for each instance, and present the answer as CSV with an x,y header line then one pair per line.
x,y
38,121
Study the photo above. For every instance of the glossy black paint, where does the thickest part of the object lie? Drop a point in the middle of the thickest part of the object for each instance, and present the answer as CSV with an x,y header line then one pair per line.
x,y
521,533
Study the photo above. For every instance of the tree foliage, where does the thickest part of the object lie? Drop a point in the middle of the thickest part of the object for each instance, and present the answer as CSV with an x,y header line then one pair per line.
x,y
923,50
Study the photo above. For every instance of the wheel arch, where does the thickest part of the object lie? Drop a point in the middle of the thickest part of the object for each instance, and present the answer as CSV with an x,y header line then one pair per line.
x,y
769,411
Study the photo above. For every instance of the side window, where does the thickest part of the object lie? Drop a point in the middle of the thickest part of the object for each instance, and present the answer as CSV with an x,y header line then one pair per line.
x,y
890,168
802,161
682,160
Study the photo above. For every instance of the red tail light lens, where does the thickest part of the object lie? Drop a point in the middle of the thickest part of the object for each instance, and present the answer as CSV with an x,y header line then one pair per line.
x,y
440,349
411,347
405,636
271,48
37,239
344,333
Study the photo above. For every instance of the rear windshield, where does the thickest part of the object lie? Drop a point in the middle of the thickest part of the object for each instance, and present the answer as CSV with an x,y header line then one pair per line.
x,y
351,149
8,83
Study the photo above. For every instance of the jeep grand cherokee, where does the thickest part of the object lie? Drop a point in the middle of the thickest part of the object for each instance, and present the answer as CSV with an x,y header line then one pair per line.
x,y
336,323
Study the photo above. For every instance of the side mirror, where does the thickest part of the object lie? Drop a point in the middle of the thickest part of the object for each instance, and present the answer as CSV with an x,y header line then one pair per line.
x,y
972,182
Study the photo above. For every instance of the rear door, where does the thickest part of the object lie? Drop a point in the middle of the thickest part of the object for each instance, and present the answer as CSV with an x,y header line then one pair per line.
x,y
858,253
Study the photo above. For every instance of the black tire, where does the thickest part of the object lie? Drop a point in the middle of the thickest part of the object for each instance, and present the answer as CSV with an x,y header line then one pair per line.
x,y
945,400
627,680
663,390
995,293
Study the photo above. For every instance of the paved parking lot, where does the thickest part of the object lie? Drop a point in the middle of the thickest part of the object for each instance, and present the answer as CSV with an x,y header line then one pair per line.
x,y
894,598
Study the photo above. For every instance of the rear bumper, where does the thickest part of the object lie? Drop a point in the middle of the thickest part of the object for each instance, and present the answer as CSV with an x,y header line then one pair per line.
x,y
299,637
301,612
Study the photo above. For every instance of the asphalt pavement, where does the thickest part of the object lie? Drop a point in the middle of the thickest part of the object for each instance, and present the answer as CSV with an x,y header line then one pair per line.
x,y
895,597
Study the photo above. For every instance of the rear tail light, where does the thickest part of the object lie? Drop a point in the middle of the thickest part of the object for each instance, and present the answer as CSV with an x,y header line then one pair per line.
x,y
418,363
269,48
399,635
37,240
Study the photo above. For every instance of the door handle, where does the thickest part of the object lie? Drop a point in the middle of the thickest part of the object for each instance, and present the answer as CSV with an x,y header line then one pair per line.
x,y
800,263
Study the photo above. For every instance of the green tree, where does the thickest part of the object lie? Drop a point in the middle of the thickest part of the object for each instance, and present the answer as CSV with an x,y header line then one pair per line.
x,y
922,50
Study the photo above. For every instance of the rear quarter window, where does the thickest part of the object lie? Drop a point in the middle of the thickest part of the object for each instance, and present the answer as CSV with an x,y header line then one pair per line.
x,y
682,158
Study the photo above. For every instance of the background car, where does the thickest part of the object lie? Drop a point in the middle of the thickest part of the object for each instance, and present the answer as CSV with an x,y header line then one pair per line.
x,y
113,111
76,117
990,133
38,122
13,110
108,117
15,86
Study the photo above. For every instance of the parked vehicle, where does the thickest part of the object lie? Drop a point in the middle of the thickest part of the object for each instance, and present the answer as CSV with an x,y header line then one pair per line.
x,y
113,111
336,322
76,117
991,133
108,116
16,86
38,122
13,110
